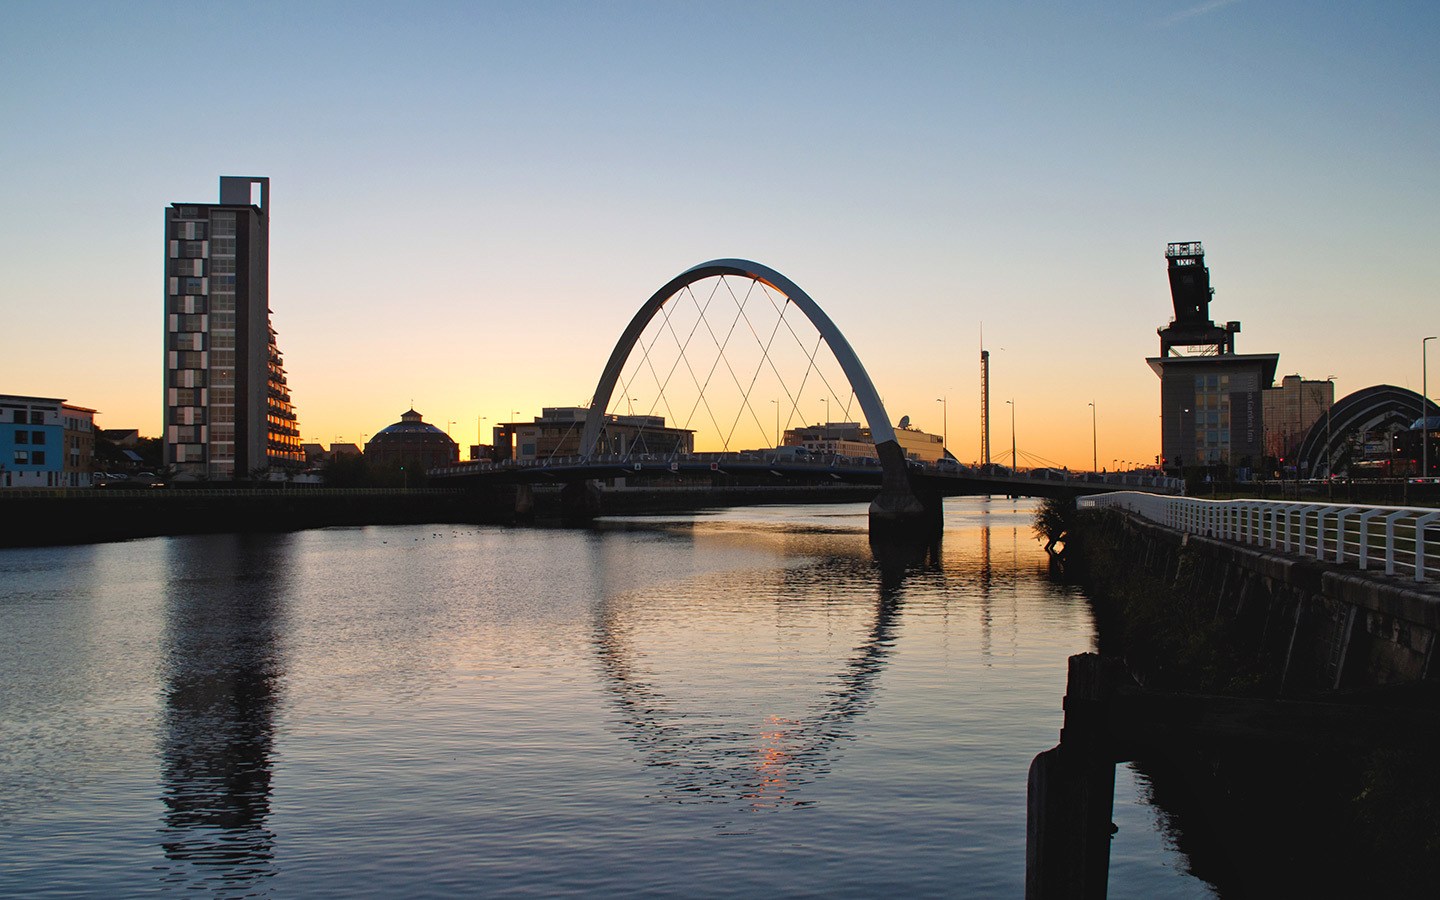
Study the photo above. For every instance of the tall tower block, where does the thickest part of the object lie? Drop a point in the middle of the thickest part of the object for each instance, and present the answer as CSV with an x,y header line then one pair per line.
x,y
227,408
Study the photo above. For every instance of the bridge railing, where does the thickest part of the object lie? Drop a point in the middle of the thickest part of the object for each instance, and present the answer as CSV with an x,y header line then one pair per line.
x,y
1392,538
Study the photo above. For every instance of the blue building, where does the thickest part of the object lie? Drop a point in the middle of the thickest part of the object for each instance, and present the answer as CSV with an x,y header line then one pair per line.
x,y
45,443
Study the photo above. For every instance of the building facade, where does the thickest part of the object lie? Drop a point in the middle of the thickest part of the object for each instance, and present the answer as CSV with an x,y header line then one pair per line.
x,y
555,433
227,408
1211,407
1290,410
45,443
853,440
410,440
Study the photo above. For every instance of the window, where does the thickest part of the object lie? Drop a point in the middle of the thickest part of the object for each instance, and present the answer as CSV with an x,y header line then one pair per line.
x,y
224,265
37,437
222,247
22,457
22,437
223,224
37,457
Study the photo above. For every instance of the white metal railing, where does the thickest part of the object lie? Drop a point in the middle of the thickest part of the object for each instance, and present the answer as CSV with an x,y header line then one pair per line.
x,y
1401,537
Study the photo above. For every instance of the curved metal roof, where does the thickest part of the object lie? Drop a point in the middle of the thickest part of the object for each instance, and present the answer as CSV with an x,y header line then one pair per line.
x,y
1368,409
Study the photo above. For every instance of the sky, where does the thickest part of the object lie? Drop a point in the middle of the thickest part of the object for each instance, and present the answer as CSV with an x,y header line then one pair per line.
x,y
470,201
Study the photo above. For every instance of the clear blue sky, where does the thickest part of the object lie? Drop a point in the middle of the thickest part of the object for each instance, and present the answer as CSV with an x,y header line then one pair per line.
x,y
470,200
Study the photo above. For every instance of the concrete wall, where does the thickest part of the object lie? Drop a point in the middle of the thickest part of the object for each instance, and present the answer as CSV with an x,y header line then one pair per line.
x,y
1312,626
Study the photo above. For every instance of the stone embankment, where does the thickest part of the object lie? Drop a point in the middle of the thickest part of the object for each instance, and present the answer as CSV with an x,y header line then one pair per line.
x,y
1286,710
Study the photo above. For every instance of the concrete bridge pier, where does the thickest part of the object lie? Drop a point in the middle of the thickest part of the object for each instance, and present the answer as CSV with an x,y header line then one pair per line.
x,y
524,504
580,502
903,511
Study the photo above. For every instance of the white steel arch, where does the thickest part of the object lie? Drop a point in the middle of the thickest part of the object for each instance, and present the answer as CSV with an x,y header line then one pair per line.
x,y
880,428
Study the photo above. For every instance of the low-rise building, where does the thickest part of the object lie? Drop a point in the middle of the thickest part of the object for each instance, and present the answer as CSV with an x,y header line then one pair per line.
x,y
853,440
556,433
45,443
411,440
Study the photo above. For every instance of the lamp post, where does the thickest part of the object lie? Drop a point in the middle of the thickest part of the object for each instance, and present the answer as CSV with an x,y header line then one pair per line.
x,y
1014,457
944,425
777,422
1424,398
1094,441
1329,435
826,401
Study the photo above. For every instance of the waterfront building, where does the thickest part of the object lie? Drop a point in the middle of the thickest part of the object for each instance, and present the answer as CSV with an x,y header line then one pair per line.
x,y
45,442
851,439
556,433
411,440
227,407
78,434
1211,411
1290,410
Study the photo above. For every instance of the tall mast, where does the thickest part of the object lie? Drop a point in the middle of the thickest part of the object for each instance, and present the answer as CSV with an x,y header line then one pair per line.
x,y
984,399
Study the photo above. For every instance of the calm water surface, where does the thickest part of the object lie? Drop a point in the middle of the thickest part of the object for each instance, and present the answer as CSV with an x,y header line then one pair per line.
x,y
729,704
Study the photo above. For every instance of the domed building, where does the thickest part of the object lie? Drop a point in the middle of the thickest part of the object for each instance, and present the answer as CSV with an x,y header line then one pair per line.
x,y
414,440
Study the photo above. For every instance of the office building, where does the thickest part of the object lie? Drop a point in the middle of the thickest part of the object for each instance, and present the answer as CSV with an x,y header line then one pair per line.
x,y
1290,410
1211,412
227,410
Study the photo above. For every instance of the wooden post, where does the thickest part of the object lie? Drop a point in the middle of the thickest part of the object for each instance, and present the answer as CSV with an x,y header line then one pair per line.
x,y
1071,795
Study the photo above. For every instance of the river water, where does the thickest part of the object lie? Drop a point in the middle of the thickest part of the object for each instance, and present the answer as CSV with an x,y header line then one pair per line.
x,y
729,704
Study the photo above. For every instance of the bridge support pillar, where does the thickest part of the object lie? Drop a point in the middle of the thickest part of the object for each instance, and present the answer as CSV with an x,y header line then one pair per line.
x,y
901,511
579,502
524,504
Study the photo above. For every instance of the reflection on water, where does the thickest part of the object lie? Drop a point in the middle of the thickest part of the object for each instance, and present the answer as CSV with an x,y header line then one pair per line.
x,y
730,704
225,616
762,761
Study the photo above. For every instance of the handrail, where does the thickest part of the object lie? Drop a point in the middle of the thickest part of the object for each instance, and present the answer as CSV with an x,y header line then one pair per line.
x,y
1410,538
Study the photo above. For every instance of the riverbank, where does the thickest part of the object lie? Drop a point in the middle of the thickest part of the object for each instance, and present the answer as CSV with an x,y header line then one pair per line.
x,y
1279,814
55,517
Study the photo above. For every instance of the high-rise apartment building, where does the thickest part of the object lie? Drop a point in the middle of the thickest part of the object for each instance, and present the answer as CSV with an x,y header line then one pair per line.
x,y
227,407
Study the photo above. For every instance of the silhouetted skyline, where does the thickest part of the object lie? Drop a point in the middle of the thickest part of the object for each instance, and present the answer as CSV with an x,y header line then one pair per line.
x,y
471,201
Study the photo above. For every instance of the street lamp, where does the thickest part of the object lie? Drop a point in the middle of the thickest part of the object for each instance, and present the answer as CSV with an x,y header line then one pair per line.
x,y
944,424
1424,398
1094,441
826,401
1329,435
1014,457
777,422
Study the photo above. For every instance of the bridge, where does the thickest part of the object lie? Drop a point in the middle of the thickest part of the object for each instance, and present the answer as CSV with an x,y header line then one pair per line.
x,y
718,345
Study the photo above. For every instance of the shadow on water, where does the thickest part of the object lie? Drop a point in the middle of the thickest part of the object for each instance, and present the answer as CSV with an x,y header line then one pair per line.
x,y
225,611
707,758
